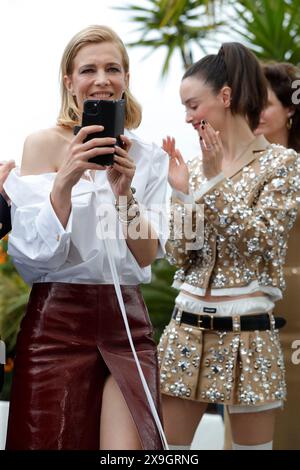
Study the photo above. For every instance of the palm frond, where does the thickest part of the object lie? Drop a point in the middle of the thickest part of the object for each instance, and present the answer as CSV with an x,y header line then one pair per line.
x,y
270,28
172,23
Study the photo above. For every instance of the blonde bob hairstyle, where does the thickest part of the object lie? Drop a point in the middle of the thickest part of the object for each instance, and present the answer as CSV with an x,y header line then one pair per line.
x,y
69,115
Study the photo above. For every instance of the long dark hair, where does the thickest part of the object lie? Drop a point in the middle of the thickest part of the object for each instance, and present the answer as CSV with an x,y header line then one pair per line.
x,y
280,76
237,67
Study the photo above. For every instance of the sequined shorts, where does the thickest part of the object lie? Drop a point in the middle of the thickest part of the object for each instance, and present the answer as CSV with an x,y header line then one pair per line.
x,y
245,368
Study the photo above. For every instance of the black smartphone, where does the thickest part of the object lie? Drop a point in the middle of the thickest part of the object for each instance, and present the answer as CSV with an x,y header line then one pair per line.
x,y
107,113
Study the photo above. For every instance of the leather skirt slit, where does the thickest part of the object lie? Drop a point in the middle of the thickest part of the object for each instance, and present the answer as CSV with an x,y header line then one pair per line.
x,y
72,337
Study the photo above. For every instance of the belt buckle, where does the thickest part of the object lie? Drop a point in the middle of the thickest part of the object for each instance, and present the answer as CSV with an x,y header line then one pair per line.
x,y
199,323
211,326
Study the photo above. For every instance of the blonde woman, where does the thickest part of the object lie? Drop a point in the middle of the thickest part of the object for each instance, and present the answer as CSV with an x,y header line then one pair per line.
x,y
76,383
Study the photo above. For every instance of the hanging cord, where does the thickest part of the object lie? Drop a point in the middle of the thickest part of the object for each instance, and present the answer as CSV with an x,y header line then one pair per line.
x,y
123,310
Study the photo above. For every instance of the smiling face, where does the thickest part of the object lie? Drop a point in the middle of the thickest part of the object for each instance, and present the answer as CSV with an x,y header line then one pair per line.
x,y
201,102
273,118
97,73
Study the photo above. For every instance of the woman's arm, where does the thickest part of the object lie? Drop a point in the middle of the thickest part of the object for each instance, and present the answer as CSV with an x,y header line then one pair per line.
x,y
145,234
141,238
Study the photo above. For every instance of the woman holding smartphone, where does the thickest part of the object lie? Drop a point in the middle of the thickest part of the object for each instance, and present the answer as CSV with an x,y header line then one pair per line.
x,y
222,344
77,382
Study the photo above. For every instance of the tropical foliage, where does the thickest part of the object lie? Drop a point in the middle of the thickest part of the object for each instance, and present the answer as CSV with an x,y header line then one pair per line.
x,y
173,25
159,295
271,28
13,300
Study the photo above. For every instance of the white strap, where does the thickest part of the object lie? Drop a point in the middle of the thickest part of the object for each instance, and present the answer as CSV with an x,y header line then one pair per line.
x,y
109,251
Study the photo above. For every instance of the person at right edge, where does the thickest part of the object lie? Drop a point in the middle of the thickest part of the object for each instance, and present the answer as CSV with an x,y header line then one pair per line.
x,y
222,344
280,124
5,227
284,106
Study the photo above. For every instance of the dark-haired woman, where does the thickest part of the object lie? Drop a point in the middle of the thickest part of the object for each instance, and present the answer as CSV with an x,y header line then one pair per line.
x,y
222,344
280,124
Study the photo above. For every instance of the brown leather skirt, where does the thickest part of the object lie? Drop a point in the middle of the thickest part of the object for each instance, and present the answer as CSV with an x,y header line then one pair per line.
x,y
72,337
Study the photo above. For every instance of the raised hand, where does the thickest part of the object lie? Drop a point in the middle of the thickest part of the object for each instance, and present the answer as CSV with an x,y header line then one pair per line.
x,y
178,171
76,161
74,165
212,150
121,173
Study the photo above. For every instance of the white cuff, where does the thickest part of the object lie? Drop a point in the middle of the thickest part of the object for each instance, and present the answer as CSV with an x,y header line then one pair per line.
x,y
208,186
50,228
185,198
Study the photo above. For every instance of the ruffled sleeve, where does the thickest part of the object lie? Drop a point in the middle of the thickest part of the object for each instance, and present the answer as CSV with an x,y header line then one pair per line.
x,y
38,242
186,219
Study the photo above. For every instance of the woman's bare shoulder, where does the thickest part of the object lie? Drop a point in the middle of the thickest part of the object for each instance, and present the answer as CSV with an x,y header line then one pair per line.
x,y
43,151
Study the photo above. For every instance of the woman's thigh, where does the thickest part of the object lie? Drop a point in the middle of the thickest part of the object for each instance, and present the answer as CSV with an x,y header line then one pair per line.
x,y
117,428
253,428
181,419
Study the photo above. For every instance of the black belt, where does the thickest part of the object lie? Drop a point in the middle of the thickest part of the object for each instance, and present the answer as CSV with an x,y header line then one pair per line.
x,y
260,321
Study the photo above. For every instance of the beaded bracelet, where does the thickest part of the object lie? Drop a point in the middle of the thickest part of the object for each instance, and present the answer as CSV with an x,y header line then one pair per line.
x,y
123,209
128,203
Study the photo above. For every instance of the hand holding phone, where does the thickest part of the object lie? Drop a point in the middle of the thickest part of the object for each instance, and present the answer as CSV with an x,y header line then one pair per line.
x,y
107,113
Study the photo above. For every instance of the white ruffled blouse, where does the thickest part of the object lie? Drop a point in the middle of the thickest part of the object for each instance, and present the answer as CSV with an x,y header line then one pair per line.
x,y
43,251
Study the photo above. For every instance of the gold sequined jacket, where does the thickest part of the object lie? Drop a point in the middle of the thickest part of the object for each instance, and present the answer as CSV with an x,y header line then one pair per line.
x,y
247,215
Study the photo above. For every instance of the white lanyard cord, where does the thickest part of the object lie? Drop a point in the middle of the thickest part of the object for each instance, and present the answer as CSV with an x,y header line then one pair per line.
x,y
123,310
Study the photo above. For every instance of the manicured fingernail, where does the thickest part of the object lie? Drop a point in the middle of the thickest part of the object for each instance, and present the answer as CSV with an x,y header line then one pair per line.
x,y
201,138
202,127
